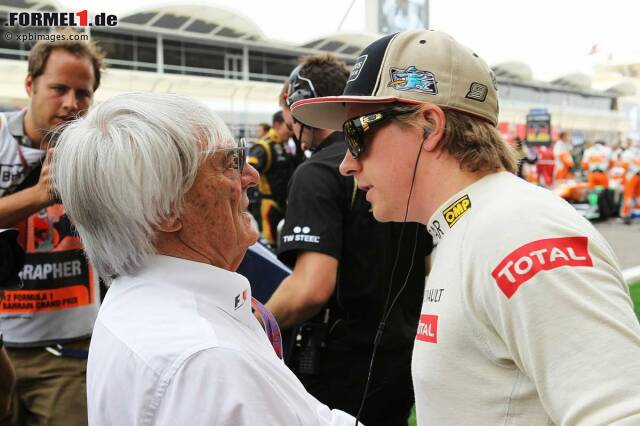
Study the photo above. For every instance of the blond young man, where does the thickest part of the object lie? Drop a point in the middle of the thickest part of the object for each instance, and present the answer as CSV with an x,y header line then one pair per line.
x,y
47,323
526,318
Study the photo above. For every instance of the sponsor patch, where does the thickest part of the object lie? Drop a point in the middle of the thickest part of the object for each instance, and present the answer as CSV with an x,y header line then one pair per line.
x,y
435,230
301,234
433,295
524,263
428,329
11,175
240,299
455,211
357,67
477,92
411,79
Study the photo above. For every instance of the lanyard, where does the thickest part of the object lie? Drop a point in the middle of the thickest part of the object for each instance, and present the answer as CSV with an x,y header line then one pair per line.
x,y
270,326
25,166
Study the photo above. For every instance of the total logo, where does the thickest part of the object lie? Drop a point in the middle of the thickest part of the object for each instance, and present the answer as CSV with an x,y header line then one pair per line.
x,y
524,263
301,233
428,329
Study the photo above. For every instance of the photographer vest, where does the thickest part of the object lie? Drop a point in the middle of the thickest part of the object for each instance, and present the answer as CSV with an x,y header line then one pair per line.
x,y
60,297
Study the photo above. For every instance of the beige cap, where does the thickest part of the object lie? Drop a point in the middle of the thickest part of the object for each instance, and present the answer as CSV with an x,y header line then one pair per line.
x,y
414,67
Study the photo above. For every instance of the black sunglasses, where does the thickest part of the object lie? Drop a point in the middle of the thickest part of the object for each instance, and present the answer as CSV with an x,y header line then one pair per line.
x,y
355,128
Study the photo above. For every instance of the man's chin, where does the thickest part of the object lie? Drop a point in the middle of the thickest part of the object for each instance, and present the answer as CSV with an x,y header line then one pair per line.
x,y
252,233
382,214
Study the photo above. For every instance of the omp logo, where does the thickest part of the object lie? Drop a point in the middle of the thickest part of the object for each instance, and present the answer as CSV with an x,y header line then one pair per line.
x,y
428,329
455,211
543,255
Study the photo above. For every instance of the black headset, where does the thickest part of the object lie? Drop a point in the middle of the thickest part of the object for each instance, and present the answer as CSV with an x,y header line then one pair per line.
x,y
299,87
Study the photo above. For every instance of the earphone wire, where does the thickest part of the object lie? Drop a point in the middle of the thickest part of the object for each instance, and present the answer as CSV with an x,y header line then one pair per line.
x,y
387,312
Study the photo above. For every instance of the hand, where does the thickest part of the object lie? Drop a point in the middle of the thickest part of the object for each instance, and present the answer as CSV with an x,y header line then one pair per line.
x,y
45,186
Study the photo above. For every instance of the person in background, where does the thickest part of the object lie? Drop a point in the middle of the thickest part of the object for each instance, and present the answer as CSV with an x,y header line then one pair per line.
x,y
631,194
47,324
526,317
262,130
545,166
348,273
563,159
176,328
596,160
269,156
619,149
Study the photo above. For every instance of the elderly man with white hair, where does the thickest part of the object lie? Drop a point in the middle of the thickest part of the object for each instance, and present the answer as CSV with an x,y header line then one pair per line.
x,y
157,189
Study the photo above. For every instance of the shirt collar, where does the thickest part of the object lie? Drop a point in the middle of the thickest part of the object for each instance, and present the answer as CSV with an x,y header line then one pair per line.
x,y
15,124
228,290
456,209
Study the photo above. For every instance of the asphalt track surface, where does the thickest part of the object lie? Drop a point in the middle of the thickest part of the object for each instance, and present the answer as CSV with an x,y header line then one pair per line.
x,y
624,239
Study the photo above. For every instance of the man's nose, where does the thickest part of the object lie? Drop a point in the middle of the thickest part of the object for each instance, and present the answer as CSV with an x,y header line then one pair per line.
x,y
250,176
70,101
349,166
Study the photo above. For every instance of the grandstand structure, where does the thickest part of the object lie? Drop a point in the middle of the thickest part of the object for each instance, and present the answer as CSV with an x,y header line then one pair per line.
x,y
622,76
224,59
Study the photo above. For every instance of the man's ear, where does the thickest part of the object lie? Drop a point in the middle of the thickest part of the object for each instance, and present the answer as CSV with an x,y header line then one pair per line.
x,y
168,224
436,121
29,84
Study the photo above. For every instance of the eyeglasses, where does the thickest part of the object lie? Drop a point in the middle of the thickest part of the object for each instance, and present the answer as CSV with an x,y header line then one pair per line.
x,y
355,128
239,155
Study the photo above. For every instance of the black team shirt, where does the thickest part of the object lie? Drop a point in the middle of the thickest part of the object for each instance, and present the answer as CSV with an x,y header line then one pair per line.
x,y
326,213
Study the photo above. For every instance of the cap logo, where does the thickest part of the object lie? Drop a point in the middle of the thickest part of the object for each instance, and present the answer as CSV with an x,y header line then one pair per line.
x,y
477,92
411,79
357,67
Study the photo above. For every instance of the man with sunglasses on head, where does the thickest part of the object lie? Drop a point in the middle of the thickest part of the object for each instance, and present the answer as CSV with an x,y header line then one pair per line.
x,y
349,271
526,318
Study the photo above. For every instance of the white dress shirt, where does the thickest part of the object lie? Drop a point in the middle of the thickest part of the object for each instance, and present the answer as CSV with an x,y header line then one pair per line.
x,y
177,344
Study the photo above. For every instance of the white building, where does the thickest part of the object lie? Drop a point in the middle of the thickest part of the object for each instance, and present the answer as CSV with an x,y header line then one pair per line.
x,y
224,59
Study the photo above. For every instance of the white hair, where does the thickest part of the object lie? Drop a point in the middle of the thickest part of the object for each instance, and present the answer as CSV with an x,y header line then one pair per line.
x,y
128,164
